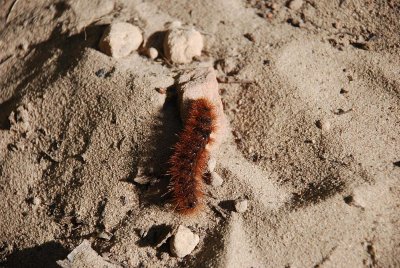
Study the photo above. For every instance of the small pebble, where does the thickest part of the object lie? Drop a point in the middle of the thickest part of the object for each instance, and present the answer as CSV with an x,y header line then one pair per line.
x,y
120,39
183,242
250,37
356,200
241,205
152,53
36,201
295,4
24,45
142,180
182,45
161,90
336,25
294,22
216,179
173,24
104,235
212,162
143,233
324,124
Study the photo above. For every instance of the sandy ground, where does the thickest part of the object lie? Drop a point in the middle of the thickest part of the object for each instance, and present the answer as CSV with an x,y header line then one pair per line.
x,y
313,100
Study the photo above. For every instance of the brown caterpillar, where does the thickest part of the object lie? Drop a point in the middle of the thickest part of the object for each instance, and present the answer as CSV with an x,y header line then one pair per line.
x,y
190,156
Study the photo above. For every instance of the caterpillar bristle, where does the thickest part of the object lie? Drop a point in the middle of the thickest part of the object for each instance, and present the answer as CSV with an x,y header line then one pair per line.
x,y
190,156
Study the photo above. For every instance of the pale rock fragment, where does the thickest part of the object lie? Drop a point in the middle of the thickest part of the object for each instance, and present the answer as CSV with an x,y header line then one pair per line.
x,y
202,83
183,242
120,39
241,205
84,256
181,45
324,125
152,53
295,4
212,162
216,180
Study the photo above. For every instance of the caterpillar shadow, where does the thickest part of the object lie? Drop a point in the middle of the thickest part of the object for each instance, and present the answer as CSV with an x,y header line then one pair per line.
x,y
164,136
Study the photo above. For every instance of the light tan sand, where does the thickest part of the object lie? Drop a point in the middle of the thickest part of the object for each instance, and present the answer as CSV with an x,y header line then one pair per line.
x,y
71,141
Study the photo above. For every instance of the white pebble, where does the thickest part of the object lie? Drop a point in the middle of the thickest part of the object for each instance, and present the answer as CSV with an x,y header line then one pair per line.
x,y
181,45
105,236
120,39
152,53
324,124
359,198
216,179
183,242
295,4
241,205
142,180
212,162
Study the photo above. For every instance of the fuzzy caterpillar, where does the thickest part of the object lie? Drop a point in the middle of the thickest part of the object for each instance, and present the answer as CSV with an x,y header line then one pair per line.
x,y
190,156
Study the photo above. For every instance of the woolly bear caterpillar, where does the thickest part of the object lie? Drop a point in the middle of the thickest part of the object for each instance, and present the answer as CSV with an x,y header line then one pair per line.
x,y
190,156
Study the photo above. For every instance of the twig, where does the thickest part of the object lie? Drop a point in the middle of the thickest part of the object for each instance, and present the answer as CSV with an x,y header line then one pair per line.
x,y
11,9
6,59
226,80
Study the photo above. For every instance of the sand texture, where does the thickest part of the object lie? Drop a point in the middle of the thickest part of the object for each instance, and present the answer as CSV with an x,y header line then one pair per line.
x,y
311,94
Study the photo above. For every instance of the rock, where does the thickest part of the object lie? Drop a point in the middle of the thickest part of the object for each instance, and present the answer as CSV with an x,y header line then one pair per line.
x,y
84,256
212,162
142,180
143,233
336,25
152,53
241,205
173,24
359,198
183,242
36,201
295,22
162,90
216,179
181,45
105,235
323,124
202,83
120,39
295,4
98,10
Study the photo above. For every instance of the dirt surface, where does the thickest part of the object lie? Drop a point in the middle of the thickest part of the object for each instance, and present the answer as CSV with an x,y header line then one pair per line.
x,y
312,95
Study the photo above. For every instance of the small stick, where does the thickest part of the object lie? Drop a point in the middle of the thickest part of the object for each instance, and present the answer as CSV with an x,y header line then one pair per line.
x,y
6,59
225,80
11,9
